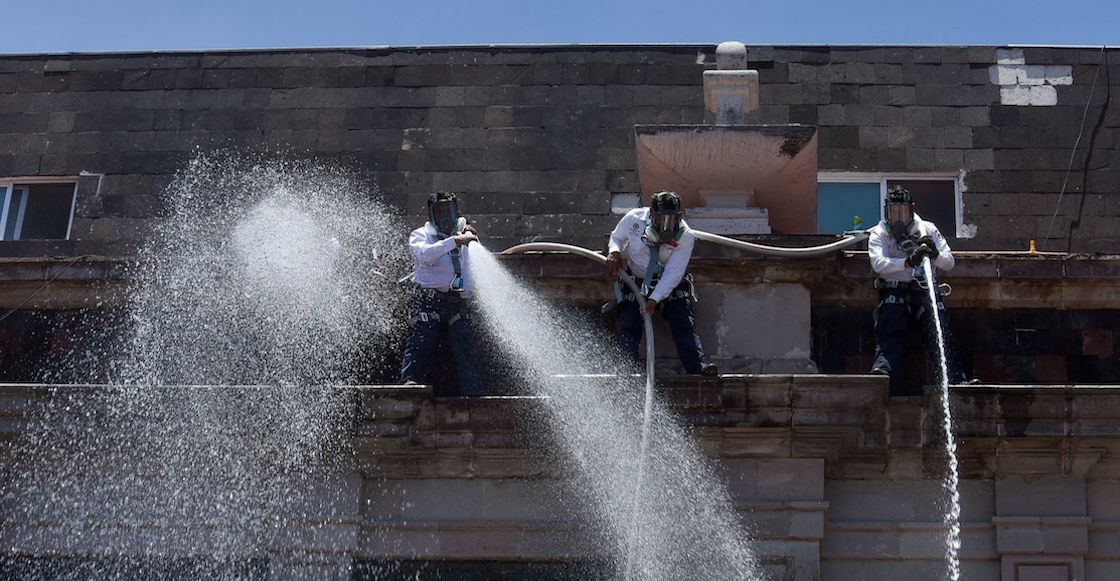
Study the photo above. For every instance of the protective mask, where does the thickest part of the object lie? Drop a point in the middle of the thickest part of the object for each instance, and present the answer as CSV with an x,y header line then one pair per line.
x,y
898,218
667,225
445,217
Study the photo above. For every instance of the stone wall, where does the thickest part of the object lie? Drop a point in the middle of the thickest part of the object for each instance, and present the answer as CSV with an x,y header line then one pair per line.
x,y
835,480
539,138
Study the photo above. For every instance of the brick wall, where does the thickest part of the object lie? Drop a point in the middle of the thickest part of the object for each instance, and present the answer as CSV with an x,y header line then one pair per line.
x,y
538,139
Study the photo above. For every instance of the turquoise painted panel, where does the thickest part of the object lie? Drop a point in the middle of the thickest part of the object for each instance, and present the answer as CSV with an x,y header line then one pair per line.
x,y
838,204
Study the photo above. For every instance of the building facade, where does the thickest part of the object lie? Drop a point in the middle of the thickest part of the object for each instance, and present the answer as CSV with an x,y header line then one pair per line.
x,y
1001,146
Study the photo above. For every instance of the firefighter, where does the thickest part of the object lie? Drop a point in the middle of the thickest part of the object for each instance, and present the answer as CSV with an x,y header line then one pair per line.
x,y
898,247
441,294
654,245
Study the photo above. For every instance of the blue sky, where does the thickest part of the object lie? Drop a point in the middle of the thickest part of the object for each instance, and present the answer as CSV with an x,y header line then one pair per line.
x,y
91,25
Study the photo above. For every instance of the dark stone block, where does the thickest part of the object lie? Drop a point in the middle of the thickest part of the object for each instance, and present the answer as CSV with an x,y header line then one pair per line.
x,y
874,94
860,115
803,114
1057,116
23,122
983,181
309,77
632,74
890,159
917,74
985,137
945,116
838,137
215,119
833,158
505,75
420,76
188,79
889,73
268,77
844,94
675,75
547,74
135,99
216,99
927,54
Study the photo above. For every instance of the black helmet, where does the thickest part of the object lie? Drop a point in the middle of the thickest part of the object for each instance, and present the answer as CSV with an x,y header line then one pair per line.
x,y
899,195
443,212
666,214
898,210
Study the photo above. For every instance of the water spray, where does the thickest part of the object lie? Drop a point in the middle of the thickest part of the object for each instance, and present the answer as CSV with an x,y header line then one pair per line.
x,y
647,408
951,482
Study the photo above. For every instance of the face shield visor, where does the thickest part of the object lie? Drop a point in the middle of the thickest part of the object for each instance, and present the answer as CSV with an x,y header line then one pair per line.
x,y
667,224
445,216
898,218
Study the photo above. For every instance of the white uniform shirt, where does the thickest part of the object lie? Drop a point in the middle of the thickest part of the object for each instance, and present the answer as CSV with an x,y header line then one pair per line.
x,y
888,260
627,239
433,259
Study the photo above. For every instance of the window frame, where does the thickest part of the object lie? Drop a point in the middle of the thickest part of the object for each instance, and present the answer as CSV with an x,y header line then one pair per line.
x,y
883,177
10,184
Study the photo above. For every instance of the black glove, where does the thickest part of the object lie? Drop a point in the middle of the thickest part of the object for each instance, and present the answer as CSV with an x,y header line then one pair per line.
x,y
917,253
931,248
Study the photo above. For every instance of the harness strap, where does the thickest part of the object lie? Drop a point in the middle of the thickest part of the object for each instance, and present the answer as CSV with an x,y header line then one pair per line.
x,y
457,264
651,268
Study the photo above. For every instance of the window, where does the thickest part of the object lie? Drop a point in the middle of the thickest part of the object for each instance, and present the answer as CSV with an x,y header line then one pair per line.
x,y
842,198
36,210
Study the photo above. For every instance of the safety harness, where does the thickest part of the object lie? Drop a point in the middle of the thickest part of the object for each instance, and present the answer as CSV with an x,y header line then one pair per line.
x,y
428,303
654,270
455,288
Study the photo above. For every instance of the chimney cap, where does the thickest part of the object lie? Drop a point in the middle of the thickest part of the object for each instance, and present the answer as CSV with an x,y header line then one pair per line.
x,y
731,55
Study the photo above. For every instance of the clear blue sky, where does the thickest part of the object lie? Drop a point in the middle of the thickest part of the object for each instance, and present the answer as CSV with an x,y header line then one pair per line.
x,y
93,25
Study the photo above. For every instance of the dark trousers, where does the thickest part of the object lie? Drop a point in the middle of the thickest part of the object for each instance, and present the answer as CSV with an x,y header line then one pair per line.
x,y
682,323
433,315
898,311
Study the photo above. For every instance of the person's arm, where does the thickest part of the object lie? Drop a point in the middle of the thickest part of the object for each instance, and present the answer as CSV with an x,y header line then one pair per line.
x,y
616,245
876,251
425,252
675,268
617,242
945,260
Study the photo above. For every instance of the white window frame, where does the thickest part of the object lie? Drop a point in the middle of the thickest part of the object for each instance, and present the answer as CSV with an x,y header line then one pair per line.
x,y
884,177
9,185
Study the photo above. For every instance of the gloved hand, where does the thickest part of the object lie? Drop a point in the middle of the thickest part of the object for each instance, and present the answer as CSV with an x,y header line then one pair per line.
x,y
931,247
917,253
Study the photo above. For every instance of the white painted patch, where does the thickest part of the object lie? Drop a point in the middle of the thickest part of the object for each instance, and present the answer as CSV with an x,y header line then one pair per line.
x,y
1027,85
1043,96
1033,75
1005,74
968,231
1059,75
1015,95
622,203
